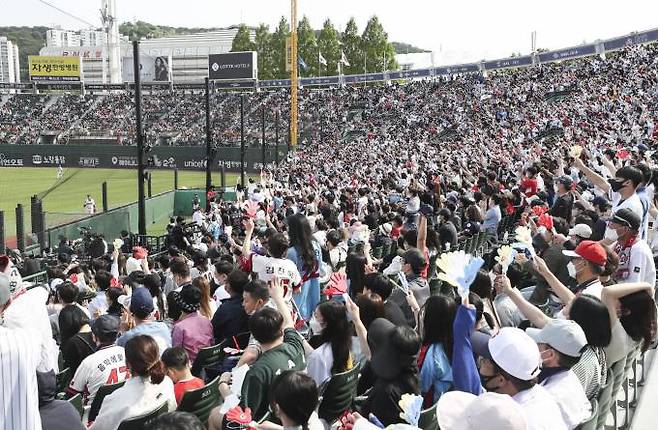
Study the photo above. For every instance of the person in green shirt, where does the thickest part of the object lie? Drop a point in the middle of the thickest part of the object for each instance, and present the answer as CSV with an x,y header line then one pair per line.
x,y
283,349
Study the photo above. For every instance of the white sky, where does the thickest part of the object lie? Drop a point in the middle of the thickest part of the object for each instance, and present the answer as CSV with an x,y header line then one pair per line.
x,y
463,30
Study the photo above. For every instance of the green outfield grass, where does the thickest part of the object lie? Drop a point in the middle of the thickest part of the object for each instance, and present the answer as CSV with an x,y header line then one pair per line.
x,y
64,200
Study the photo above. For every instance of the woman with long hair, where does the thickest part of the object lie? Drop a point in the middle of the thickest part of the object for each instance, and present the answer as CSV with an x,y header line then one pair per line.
x,y
592,316
436,351
355,269
632,312
77,341
306,253
473,223
146,390
393,363
208,306
329,323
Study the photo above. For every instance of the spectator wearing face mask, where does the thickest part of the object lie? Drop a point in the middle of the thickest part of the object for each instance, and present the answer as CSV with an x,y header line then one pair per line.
x,y
510,364
561,343
621,190
586,265
588,311
332,333
636,263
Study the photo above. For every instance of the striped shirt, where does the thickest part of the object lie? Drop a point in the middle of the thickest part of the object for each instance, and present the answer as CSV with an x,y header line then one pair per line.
x,y
19,394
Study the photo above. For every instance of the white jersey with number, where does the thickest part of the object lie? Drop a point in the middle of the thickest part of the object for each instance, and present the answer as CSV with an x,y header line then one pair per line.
x,y
19,400
105,366
284,269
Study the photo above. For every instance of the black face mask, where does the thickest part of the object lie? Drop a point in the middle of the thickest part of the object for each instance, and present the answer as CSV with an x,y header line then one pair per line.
x,y
484,380
616,184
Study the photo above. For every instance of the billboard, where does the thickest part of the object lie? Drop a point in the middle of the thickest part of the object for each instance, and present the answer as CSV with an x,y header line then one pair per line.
x,y
503,63
632,39
125,157
233,65
56,68
153,68
563,54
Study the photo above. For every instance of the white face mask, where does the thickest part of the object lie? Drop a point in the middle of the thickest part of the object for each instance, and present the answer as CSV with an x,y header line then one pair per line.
x,y
611,234
572,269
315,326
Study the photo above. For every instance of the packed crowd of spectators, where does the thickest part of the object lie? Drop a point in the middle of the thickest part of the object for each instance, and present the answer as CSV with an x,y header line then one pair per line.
x,y
342,265
18,118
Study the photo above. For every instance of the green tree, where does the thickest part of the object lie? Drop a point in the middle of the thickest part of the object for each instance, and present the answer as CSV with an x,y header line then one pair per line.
x,y
329,46
263,42
278,48
352,48
307,47
242,40
378,52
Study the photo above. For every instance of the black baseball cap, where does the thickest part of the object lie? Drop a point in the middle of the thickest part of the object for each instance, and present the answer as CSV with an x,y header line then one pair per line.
x,y
105,325
627,217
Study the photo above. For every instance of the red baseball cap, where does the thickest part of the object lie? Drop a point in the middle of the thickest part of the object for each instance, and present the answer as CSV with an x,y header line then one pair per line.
x,y
590,251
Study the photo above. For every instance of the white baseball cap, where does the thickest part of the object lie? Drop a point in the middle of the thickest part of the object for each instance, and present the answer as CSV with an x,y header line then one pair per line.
x,y
516,353
132,265
457,410
581,230
563,335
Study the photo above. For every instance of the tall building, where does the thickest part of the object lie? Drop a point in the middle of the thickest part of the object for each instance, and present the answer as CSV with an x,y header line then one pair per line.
x,y
93,38
10,71
189,53
58,38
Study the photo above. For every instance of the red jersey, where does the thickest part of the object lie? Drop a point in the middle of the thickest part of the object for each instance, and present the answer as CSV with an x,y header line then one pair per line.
x,y
529,187
181,387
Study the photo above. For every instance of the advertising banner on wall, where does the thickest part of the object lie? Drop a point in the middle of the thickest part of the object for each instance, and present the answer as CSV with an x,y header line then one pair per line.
x,y
57,68
563,54
233,66
152,68
630,40
125,157
503,63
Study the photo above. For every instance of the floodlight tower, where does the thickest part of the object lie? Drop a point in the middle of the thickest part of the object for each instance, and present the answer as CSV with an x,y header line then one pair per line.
x,y
111,28
293,73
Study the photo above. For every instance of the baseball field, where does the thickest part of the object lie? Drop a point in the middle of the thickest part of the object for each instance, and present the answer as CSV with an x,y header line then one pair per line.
x,y
63,198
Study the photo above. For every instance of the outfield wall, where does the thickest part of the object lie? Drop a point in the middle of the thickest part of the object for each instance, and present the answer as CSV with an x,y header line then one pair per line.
x,y
125,157
158,210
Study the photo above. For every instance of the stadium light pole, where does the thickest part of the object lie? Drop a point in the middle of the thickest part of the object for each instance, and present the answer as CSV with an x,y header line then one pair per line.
x,y
276,137
209,157
141,204
262,126
293,74
242,139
